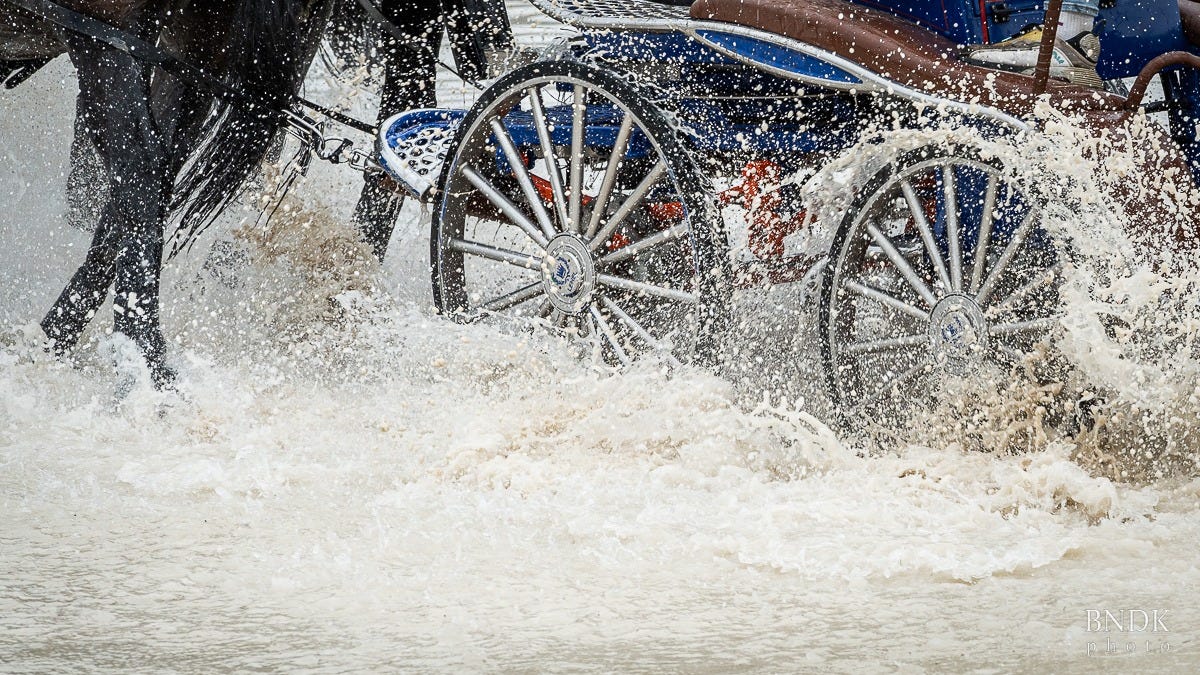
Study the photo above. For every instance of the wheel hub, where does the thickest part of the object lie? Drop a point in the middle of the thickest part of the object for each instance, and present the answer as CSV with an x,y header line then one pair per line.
x,y
570,276
958,334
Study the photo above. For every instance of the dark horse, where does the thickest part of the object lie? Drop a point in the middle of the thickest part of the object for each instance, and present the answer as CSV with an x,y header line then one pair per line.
x,y
170,150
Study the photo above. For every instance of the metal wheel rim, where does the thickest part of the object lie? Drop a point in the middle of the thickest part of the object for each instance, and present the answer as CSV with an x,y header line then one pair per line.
x,y
574,279
949,314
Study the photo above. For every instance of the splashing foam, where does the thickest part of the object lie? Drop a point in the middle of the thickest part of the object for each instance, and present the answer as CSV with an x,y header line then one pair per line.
x,y
1119,391
324,258
549,416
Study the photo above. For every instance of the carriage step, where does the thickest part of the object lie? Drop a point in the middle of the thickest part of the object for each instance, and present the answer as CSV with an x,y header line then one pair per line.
x,y
413,146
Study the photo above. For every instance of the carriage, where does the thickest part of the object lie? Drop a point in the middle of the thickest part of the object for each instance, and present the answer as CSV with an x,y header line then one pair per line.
x,y
619,188
622,187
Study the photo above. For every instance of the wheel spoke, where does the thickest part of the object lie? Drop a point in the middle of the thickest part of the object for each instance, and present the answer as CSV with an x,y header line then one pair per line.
x,y
513,299
629,204
552,168
522,175
1015,327
953,246
649,242
647,289
1048,275
910,275
577,118
885,299
1010,252
610,175
587,326
918,214
887,344
985,233
1016,357
637,328
608,333
506,207
523,260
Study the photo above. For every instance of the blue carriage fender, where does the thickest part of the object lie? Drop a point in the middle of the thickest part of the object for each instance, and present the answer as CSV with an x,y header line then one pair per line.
x,y
413,145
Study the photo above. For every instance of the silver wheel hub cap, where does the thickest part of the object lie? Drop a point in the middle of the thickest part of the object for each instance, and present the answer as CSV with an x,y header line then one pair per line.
x,y
569,275
958,334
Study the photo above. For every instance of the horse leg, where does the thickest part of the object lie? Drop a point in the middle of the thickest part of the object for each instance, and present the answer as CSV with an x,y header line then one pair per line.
x,y
84,293
88,287
409,82
127,247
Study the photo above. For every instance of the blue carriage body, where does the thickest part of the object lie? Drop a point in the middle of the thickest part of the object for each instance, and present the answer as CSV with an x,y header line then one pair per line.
x,y
660,159
734,107
1132,32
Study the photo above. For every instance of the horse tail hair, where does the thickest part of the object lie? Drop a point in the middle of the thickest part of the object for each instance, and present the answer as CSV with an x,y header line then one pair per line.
x,y
265,55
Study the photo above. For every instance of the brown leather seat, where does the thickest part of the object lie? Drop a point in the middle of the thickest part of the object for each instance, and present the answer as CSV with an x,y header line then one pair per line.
x,y
1189,13
896,49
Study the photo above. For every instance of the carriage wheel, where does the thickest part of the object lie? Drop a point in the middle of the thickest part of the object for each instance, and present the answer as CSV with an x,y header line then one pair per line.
x,y
609,240
939,267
